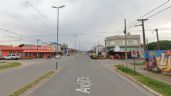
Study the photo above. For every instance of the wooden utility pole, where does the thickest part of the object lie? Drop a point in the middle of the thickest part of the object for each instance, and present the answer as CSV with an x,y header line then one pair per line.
x,y
157,35
143,30
126,54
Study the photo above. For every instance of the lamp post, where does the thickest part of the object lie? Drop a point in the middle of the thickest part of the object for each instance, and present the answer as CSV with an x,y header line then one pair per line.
x,y
37,55
57,29
75,43
57,24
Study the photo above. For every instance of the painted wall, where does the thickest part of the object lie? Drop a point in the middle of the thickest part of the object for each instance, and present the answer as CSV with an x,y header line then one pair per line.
x,y
159,58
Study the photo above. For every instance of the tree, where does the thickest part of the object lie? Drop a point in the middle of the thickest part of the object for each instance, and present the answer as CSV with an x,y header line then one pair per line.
x,y
164,45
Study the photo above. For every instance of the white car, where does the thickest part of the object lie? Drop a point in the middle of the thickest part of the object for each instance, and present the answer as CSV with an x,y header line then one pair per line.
x,y
57,56
11,57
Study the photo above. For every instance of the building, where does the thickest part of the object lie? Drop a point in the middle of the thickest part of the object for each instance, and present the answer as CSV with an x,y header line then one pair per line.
x,y
32,51
62,48
5,50
116,44
27,51
98,49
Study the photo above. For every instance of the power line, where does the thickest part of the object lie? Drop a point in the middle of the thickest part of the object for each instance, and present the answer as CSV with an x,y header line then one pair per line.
x,y
45,17
21,36
147,14
159,12
15,33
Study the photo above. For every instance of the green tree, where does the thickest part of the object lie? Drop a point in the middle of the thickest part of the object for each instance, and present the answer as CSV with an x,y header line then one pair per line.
x,y
164,45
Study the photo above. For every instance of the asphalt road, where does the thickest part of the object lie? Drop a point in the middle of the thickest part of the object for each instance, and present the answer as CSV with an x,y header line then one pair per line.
x,y
85,77
14,78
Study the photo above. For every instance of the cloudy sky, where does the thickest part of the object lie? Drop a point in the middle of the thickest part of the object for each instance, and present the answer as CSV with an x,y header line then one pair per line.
x,y
87,21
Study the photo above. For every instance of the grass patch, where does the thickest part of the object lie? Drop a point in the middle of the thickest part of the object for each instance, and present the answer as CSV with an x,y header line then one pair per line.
x,y
138,63
10,65
23,89
156,85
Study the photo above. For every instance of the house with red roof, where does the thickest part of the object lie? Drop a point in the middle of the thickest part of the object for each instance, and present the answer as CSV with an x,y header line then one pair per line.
x,y
5,50
28,51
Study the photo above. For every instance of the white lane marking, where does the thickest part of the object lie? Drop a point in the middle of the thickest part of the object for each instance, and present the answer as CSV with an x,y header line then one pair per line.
x,y
78,79
84,90
84,84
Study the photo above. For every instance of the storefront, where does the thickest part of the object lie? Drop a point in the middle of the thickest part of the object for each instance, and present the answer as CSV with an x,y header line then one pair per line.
x,y
40,52
28,52
119,52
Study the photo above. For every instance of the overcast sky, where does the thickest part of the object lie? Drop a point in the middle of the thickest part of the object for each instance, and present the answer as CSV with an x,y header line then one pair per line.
x,y
78,17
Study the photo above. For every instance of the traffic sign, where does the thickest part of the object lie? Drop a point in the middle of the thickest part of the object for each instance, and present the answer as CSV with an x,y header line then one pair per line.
x,y
134,54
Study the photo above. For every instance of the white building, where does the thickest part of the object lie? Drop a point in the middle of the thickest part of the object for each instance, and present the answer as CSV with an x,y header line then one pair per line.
x,y
99,48
133,43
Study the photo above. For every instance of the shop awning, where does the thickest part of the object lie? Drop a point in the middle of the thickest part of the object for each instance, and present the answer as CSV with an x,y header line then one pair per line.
x,y
35,51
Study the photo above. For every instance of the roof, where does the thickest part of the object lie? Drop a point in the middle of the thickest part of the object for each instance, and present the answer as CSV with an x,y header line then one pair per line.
x,y
37,49
12,48
34,51
122,37
32,48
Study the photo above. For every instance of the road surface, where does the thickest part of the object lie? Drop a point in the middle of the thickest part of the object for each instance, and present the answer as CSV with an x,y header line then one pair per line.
x,y
86,77
14,78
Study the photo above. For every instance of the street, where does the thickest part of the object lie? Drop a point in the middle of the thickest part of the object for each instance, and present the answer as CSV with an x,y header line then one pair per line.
x,y
14,78
85,48
85,77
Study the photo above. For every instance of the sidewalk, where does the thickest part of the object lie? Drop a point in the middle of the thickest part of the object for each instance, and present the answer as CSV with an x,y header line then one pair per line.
x,y
139,68
157,76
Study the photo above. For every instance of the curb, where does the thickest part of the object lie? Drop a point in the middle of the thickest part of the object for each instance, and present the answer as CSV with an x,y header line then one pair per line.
x,y
140,84
35,86
29,91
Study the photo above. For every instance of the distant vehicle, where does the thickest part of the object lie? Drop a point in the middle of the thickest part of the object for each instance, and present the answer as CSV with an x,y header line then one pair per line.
x,y
85,53
57,56
11,57
93,56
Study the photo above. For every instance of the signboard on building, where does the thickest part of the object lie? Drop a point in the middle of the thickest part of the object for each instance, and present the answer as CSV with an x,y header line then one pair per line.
x,y
117,49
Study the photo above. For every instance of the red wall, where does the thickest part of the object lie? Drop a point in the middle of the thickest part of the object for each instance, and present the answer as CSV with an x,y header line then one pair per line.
x,y
5,53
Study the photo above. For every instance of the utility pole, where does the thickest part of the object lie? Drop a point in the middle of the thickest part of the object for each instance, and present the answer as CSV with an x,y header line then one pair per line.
x,y
147,43
126,54
143,30
98,49
75,44
157,35
37,55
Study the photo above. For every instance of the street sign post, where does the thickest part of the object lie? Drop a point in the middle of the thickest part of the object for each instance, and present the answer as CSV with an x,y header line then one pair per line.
x,y
134,54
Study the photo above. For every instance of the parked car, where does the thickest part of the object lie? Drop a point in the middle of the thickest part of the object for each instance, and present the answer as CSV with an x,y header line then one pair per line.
x,y
11,57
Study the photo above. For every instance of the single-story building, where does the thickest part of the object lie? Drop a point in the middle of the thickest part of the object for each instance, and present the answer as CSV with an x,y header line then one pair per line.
x,y
28,51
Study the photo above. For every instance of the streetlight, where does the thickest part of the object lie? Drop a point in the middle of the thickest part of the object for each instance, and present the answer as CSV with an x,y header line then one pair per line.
x,y
57,29
37,48
57,24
